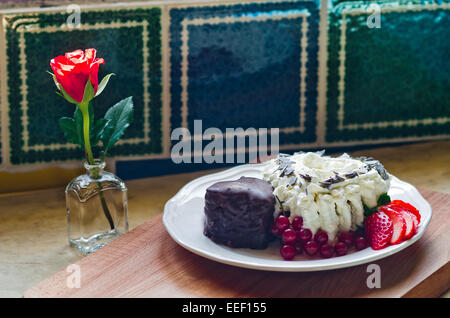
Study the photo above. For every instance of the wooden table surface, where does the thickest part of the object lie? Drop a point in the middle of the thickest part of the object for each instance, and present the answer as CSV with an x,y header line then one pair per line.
x,y
146,262
33,230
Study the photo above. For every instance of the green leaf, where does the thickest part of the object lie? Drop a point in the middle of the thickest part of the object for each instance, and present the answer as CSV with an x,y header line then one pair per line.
x,y
369,211
103,84
91,116
97,131
119,118
73,127
88,92
383,199
69,129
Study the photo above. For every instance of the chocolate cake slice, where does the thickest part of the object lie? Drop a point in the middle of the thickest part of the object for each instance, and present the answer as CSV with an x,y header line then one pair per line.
x,y
239,213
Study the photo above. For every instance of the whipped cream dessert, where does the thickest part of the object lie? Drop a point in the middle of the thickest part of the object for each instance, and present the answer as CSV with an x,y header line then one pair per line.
x,y
328,193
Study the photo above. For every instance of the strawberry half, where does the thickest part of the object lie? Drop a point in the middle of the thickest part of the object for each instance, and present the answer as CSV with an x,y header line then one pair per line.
x,y
399,224
379,230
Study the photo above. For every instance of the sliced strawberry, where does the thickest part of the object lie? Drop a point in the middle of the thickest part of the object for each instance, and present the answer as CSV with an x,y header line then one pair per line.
x,y
408,217
415,221
410,229
399,224
408,207
379,230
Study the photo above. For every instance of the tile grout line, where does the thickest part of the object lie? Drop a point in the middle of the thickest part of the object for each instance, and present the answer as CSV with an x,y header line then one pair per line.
x,y
322,57
4,149
303,71
137,4
165,65
146,81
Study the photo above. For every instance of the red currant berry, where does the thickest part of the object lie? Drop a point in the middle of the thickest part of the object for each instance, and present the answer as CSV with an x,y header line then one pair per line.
x,y
341,249
321,237
289,236
298,247
282,223
311,248
297,223
347,238
360,243
326,250
287,252
274,230
304,235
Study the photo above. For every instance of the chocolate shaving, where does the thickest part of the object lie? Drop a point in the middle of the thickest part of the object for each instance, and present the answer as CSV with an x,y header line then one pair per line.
x,y
280,203
381,171
332,180
320,152
375,164
326,183
285,164
351,174
307,177
292,181
287,171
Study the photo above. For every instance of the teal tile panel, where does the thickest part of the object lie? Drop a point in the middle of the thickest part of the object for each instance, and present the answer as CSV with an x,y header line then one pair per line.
x,y
388,82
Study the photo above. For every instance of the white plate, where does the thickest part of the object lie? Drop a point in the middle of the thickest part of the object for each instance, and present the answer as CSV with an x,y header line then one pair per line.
x,y
183,219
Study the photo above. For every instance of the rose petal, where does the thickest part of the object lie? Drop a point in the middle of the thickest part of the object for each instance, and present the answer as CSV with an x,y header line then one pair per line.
x,y
94,73
73,70
74,54
90,54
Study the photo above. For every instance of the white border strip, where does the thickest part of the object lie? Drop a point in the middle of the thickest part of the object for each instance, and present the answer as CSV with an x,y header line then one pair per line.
x,y
322,76
4,127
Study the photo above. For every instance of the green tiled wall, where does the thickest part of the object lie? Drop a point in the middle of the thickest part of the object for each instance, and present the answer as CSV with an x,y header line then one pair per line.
x,y
380,85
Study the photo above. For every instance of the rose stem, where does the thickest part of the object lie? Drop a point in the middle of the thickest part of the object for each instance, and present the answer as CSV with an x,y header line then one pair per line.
x,y
87,145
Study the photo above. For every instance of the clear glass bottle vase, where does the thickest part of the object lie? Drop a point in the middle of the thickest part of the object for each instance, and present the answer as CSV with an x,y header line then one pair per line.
x,y
97,210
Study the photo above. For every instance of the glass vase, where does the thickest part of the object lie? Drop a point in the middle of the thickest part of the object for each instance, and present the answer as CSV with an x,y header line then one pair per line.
x,y
97,211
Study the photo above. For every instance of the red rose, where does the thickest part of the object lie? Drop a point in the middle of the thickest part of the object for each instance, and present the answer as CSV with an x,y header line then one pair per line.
x,y
73,70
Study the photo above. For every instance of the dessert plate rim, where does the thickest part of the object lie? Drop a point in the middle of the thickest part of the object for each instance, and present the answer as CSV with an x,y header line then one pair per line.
x,y
247,258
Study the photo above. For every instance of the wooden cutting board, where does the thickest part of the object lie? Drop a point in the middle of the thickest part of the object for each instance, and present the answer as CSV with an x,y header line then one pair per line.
x,y
146,262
